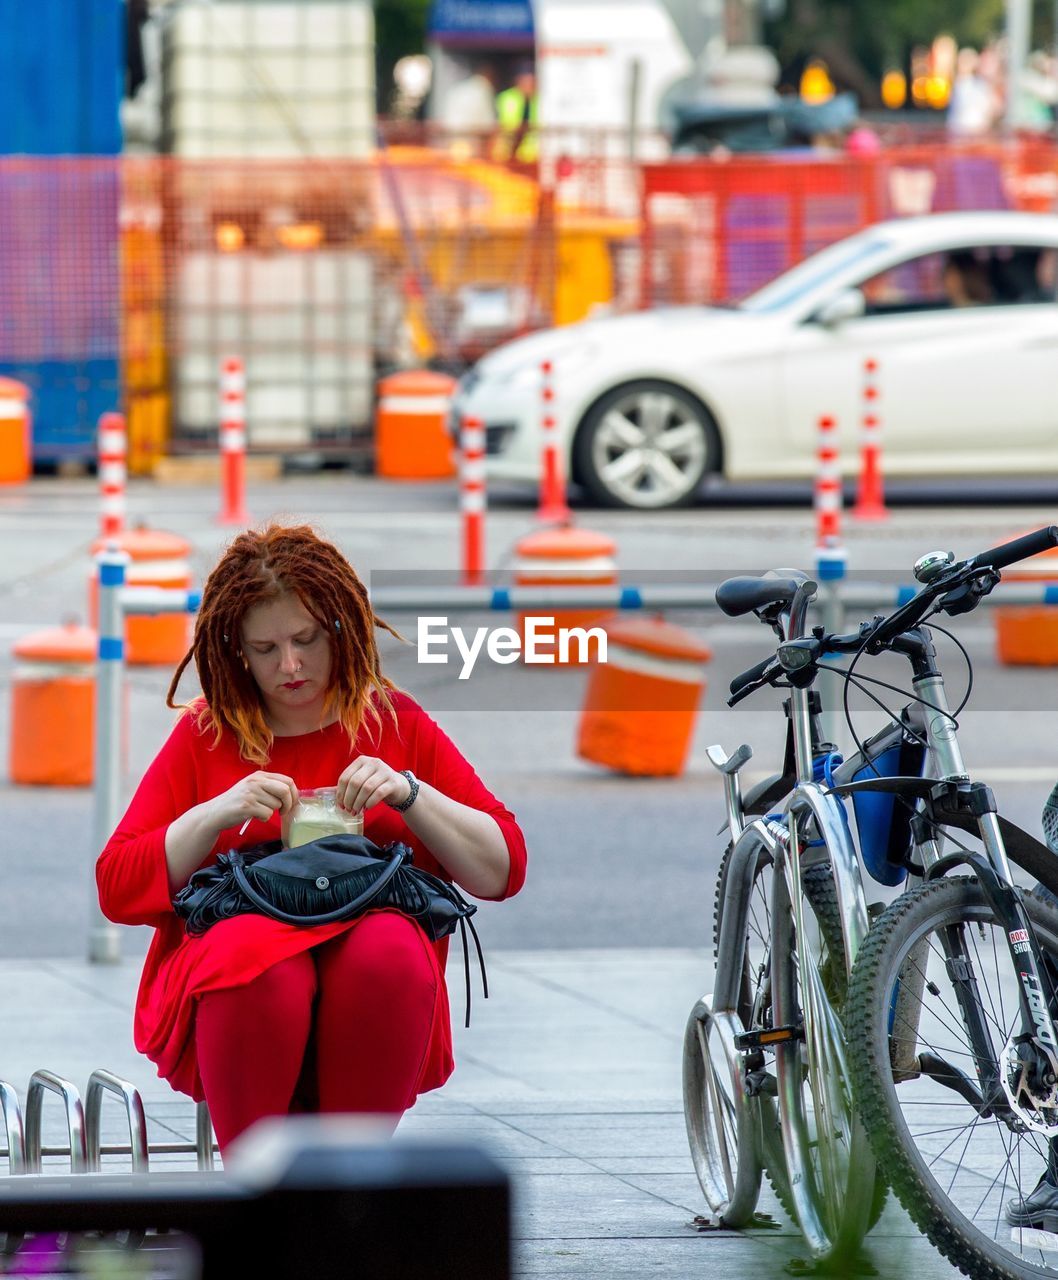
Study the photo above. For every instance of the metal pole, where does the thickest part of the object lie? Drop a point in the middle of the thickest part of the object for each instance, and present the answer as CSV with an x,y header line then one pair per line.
x,y
104,944
1018,37
832,610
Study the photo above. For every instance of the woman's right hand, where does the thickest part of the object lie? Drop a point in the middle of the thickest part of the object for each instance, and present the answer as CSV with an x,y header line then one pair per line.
x,y
258,795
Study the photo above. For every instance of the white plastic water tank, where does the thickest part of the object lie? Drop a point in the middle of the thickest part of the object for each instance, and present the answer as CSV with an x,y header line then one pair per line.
x,y
269,78
303,325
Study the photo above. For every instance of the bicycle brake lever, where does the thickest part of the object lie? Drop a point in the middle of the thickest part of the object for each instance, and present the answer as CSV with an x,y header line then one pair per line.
x,y
968,594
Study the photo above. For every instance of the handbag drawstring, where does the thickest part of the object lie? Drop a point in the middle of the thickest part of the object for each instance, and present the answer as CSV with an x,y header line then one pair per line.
x,y
464,923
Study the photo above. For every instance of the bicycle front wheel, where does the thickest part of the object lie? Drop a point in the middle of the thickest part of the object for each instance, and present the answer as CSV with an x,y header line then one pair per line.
x,y
829,1163
931,1012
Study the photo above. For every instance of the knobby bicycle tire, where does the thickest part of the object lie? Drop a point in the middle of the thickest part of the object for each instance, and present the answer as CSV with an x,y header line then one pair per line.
x,y
870,1020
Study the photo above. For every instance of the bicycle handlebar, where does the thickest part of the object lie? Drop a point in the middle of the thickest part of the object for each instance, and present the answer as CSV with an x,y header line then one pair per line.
x,y
1008,553
752,677
958,583
963,584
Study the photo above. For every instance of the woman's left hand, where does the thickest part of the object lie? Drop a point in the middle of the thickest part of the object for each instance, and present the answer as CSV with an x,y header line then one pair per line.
x,y
369,781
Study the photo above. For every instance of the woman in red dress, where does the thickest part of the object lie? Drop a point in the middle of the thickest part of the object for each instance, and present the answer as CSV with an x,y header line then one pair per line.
x,y
256,1016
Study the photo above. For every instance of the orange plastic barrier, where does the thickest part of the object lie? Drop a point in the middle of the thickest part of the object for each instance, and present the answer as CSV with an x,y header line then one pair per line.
x,y
1027,635
53,708
411,439
641,703
16,448
566,558
159,559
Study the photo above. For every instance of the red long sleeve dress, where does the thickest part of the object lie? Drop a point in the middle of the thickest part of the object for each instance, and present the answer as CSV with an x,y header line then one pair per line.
x,y
133,883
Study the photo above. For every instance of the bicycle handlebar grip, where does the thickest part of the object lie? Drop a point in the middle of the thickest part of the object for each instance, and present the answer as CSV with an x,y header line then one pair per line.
x,y
1020,549
751,676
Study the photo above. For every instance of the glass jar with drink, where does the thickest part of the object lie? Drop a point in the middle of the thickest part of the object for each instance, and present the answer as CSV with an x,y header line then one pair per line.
x,y
317,814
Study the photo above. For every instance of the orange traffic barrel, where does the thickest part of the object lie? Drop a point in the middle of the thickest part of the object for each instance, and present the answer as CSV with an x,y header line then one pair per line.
x,y
16,432
158,559
411,434
1027,635
53,708
642,702
564,557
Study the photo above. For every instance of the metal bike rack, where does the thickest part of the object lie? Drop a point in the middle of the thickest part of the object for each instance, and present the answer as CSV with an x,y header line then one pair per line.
x,y
39,1083
203,1136
99,1083
16,1134
25,1150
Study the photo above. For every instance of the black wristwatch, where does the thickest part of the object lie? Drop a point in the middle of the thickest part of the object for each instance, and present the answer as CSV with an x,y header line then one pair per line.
x,y
414,783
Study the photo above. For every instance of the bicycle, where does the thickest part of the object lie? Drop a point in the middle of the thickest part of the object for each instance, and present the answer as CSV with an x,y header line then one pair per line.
x,y
909,789
790,917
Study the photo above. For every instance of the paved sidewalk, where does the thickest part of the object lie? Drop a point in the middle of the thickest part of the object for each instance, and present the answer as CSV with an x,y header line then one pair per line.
x,y
570,1074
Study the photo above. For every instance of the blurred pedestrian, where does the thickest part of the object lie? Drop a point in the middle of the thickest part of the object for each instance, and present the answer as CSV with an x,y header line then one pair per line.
x,y
974,106
1036,94
468,109
516,115
256,1016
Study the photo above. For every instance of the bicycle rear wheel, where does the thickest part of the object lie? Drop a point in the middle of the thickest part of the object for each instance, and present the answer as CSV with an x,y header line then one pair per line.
x,y
954,1160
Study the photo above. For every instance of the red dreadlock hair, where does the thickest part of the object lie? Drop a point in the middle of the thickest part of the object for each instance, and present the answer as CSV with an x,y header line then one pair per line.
x,y
258,568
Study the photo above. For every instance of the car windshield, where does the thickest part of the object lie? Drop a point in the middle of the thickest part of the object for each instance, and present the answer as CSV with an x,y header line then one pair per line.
x,y
814,271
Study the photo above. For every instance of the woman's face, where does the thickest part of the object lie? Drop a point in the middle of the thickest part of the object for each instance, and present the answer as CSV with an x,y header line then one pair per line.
x,y
289,657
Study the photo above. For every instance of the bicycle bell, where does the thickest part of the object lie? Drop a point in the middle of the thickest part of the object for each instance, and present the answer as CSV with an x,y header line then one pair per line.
x,y
933,562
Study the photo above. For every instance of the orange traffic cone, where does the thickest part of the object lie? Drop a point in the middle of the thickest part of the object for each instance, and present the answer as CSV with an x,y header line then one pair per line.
x,y
566,558
642,702
159,559
53,708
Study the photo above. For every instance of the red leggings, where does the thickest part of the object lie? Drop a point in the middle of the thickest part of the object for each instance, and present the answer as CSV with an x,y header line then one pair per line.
x,y
362,1006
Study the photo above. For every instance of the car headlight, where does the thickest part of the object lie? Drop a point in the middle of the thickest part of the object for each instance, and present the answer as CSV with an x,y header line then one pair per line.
x,y
566,361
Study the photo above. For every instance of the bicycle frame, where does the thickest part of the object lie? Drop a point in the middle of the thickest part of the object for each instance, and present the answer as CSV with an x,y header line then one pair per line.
x,y
807,799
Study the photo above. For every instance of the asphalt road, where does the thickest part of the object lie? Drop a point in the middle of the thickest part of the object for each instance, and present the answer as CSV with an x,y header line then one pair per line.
x,y
614,861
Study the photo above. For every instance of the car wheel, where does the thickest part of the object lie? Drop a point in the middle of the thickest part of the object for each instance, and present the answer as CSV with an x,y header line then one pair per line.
x,y
646,445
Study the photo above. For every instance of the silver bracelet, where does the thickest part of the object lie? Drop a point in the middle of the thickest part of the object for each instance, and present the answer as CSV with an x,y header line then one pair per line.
x,y
414,783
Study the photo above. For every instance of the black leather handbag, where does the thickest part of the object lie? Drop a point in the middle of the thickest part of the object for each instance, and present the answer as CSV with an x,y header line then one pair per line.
x,y
335,878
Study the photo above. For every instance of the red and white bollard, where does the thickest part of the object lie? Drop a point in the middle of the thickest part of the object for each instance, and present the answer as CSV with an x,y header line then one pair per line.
x,y
870,496
112,451
830,555
553,506
233,443
472,499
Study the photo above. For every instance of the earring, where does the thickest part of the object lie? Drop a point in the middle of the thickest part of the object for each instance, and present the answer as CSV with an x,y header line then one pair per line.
x,y
226,637
337,624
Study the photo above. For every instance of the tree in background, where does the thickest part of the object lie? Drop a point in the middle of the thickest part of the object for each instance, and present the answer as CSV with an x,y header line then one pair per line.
x,y
860,39
400,29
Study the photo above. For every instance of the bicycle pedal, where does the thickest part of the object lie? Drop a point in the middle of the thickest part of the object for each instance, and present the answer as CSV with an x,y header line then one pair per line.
x,y
767,1037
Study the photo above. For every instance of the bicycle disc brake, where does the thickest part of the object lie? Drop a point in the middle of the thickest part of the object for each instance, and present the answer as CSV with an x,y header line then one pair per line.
x,y
1028,1072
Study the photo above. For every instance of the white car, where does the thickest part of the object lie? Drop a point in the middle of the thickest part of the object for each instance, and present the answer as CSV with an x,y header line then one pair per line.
x,y
958,310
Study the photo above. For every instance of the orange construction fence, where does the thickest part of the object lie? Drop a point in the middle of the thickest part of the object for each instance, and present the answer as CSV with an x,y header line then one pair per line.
x,y
713,230
325,274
